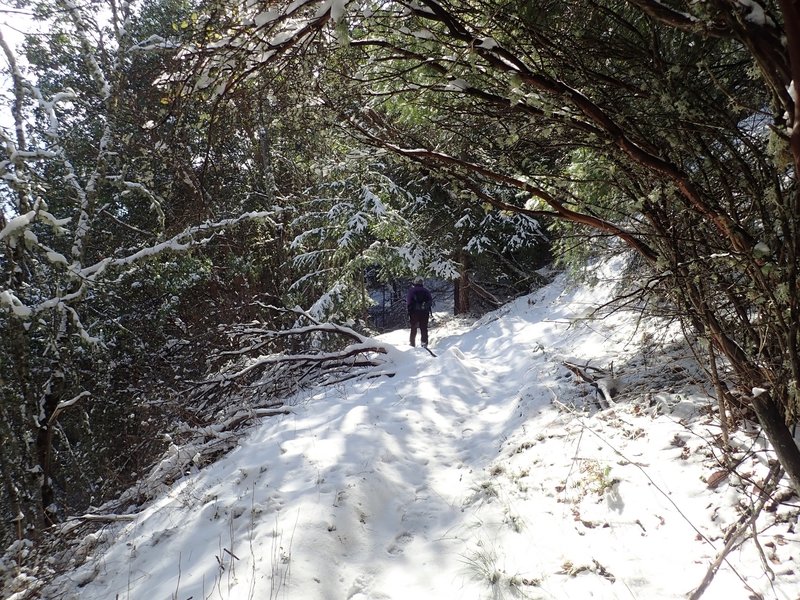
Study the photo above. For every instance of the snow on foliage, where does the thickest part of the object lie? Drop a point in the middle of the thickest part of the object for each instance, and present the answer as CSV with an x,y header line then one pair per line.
x,y
326,303
479,244
466,220
445,269
372,203
356,225
10,301
16,226
414,256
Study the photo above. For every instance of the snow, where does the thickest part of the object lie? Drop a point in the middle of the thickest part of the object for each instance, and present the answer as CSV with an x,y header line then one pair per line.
x,y
266,17
761,250
372,203
423,34
56,258
756,14
16,225
337,10
8,299
485,472
458,84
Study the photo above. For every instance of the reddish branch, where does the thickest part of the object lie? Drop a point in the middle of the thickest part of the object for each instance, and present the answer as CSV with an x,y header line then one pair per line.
x,y
504,61
426,156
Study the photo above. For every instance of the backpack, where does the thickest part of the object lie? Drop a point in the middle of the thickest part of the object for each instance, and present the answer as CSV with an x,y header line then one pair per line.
x,y
419,301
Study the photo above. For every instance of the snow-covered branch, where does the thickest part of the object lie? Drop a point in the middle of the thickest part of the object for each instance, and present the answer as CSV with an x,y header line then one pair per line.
x,y
186,239
66,404
319,357
189,238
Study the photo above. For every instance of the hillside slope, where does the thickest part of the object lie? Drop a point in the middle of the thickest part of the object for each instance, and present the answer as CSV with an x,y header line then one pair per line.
x,y
484,472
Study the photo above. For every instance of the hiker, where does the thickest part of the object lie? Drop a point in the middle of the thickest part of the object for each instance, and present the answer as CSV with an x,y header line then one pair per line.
x,y
420,307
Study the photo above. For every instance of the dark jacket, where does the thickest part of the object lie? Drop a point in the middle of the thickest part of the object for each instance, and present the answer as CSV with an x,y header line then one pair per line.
x,y
417,294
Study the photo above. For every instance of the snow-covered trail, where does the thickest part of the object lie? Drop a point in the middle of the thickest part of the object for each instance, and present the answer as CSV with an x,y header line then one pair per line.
x,y
359,490
388,464
356,494
473,474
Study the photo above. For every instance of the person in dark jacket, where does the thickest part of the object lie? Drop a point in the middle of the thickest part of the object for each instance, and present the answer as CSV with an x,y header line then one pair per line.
x,y
420,307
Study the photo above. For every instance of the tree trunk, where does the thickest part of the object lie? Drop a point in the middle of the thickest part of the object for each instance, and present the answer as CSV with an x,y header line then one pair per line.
x,y
778,434
791,20
10,490
44,444
721,397
461,290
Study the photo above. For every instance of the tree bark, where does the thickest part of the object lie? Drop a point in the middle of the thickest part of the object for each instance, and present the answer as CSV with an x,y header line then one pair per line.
x,y
44,444
11,491
774,425
791,16
461,290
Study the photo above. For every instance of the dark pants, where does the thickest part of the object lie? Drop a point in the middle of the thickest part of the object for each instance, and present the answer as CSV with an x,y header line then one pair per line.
x,y
419,320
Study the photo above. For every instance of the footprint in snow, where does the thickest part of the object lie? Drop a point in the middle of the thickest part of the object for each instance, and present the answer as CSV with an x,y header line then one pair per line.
x,y
361,590
399,543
